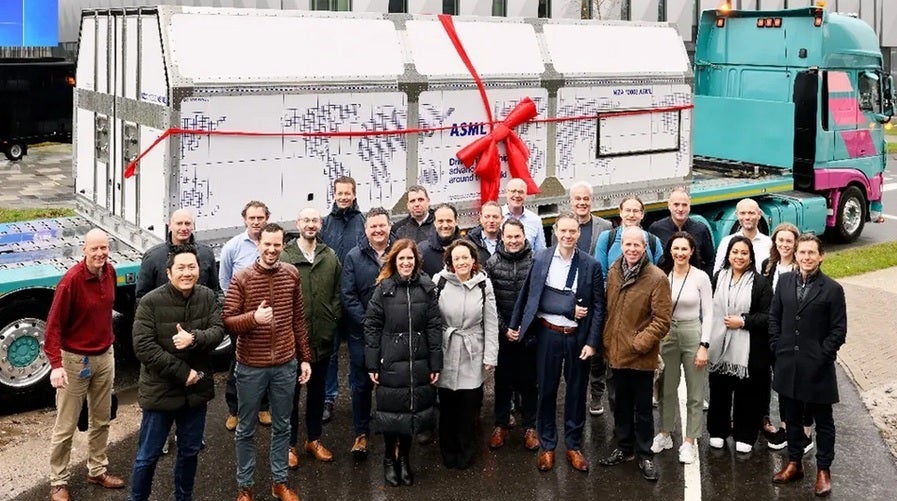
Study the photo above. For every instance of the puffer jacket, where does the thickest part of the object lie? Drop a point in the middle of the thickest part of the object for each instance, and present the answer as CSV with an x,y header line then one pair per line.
x,y
639,314
403,344
276,343
508,271
163,368
320,295
432,250
154,270
343,229
471,330
360,270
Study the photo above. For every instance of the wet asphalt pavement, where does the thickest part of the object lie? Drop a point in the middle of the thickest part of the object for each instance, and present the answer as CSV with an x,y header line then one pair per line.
x,y
863,467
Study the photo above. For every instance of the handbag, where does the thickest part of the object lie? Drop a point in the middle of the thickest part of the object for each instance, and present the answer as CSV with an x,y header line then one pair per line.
x,y
84,423
561,302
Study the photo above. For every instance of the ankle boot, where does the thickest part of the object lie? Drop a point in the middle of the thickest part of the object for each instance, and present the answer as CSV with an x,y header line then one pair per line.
x,y
405,471
390,475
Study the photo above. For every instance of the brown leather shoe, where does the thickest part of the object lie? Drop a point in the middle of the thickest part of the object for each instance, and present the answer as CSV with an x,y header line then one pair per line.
x,y
497,440
106,480
792,471
317,449
265,418
59,493
244,494
293,459
577,460
231,423
531,439
546,460
360,447
284,493
823,483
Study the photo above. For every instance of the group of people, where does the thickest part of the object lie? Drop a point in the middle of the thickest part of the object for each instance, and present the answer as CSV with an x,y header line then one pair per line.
x,y
429,313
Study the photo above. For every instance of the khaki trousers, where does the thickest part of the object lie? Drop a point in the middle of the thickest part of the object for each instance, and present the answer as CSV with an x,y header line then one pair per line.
x,y
679,349
97,388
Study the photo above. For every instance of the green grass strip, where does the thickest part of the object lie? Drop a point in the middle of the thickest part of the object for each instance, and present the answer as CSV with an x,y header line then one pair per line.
x,y
860,260
13,215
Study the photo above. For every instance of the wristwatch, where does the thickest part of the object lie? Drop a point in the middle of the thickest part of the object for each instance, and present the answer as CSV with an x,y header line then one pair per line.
x,y
705,345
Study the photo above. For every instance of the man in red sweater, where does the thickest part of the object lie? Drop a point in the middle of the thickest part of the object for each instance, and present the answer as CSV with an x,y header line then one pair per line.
x,y
79,347
264,308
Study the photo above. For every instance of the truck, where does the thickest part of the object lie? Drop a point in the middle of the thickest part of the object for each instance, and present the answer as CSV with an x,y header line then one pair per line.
x,y
172,110
36,103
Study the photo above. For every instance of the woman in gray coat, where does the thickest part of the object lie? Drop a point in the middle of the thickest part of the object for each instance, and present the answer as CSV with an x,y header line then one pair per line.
x,y
469,346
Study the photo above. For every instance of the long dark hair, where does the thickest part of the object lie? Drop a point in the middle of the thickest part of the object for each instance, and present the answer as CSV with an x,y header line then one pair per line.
x,y
752,266
666,262
389,267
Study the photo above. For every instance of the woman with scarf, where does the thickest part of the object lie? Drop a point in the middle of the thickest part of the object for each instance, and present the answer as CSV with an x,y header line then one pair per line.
x,y
739,349
403,354
469,347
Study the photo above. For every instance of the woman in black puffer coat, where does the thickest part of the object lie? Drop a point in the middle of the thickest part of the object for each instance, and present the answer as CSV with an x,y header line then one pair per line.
x,y
403,353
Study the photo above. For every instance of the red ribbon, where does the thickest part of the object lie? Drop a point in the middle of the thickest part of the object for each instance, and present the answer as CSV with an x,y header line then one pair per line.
x,y
484,151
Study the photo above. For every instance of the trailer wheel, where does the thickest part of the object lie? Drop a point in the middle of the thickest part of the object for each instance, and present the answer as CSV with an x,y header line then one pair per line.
x,y
15,152
850,217
24,368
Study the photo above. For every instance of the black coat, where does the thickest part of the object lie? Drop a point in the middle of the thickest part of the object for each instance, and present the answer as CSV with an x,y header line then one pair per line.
x,y
805,338
508,272
343,229
475,236
360,269
408,228
154,270
403,344
756,322
432,250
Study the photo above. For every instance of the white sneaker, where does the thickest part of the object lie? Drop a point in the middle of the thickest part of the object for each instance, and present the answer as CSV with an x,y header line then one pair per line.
x,y
716,442
706,405
661,443
743,447
808,446
687,453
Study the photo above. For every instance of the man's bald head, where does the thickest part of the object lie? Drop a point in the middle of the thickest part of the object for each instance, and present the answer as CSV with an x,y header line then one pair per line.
x,y
96,250
180,224
515,193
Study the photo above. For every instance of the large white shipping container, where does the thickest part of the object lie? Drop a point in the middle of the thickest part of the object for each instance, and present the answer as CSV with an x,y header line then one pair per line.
x,y
143,71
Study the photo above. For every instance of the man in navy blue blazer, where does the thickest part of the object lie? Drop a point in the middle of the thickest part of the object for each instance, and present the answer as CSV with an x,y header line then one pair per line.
x,y
561,309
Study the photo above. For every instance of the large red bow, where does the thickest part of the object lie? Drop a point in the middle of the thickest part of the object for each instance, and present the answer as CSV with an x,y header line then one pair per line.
x,y
484,151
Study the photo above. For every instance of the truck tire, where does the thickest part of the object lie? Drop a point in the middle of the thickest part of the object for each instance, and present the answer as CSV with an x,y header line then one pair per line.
x,y
15,152
850,217
24,368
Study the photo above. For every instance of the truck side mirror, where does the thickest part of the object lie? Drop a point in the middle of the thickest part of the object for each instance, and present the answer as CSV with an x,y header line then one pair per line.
x,y
888,97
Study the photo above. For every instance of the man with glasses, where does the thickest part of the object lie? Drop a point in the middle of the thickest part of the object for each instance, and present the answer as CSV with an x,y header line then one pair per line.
x,y
609,248
515,193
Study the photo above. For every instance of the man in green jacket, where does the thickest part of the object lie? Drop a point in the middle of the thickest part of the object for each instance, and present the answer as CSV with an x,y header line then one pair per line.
x,y
320,271
176,328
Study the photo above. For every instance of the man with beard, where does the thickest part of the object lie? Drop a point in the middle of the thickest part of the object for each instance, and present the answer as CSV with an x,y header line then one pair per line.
x,y
433,248
320,272
486,235
748,213
342,230
515,372
515,194
176,327
419,223
264,308
239,252
360,270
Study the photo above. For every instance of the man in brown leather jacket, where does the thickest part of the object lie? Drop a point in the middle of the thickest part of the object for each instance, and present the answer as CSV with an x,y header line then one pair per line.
x,y
264,308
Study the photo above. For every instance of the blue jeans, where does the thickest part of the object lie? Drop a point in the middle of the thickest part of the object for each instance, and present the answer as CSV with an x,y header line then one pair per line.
x,y
279,383
361,386
190,423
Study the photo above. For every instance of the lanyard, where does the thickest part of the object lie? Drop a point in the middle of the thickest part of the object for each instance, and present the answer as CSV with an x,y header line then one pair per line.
x,y
676,303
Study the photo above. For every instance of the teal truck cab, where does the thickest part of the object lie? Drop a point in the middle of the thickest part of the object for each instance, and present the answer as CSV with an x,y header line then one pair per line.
x,y
797,94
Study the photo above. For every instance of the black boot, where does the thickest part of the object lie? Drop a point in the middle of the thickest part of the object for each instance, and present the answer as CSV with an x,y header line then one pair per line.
x,y
390,473
405,470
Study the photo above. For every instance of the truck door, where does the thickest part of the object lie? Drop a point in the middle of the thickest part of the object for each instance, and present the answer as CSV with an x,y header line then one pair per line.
x,y
854,98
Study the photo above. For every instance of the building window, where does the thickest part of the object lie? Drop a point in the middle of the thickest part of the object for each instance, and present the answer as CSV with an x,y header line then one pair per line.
x,y
398,7
450,7
544,8
333,5
500,8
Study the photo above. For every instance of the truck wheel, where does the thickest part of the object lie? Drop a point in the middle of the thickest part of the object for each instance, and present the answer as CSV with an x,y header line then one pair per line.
x,y
850,217
15,152
24,368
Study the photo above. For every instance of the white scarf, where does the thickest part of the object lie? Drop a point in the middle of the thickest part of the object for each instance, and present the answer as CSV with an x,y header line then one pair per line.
x,y
730,348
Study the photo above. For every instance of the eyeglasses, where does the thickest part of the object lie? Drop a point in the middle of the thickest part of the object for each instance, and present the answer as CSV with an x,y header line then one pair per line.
x,y
631,211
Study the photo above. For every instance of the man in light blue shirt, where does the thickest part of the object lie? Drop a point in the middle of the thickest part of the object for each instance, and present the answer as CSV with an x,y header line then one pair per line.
x,y
242,250
239,252
515,193
608,247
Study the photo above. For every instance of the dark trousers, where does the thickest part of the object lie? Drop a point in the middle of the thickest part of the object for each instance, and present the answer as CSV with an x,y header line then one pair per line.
x,y
558,354
796,414
515,372
392,440
230,385
458,410
737,406
314,403
361,386
633,412
154,427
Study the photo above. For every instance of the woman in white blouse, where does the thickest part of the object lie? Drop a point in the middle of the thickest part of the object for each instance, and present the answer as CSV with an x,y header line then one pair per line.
x,y
684,349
